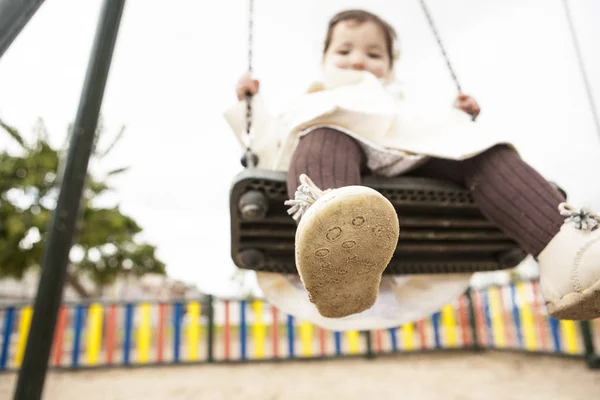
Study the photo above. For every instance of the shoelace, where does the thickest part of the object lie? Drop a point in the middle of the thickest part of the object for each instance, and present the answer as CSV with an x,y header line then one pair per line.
x,y
583,218
304,197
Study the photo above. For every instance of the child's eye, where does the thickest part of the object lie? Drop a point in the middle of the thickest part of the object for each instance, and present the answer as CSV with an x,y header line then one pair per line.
x,y
374,55
343,52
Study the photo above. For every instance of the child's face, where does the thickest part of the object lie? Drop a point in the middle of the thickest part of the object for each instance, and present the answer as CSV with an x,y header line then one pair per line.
x,y
359,46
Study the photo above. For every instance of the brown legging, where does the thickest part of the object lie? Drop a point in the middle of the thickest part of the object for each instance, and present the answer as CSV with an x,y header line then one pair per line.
x,y
509,192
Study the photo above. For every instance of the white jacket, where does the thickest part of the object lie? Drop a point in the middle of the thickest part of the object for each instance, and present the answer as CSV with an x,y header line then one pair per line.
x,y
356,102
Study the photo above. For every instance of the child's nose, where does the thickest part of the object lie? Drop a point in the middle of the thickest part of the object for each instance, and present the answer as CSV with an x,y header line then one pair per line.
x,y
358,62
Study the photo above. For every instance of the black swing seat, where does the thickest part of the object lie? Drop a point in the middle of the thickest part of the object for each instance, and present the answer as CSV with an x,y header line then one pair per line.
x,y
441,227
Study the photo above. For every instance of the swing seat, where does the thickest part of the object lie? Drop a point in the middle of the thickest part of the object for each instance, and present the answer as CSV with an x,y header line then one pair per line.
x,y
441,227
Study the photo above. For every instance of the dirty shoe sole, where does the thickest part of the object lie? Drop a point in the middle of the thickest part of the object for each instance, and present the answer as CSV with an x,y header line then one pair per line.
x,y
344,242
578,306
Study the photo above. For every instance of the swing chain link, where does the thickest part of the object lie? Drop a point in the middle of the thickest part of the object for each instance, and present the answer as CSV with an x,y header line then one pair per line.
x,y
250,44
440,44
249,159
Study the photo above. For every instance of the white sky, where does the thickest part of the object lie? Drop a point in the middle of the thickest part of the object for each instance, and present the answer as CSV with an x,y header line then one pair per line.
x,y
175,68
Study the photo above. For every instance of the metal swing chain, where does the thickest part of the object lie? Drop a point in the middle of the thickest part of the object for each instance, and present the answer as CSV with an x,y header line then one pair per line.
x,y
441,46
249,159
584,76
250,44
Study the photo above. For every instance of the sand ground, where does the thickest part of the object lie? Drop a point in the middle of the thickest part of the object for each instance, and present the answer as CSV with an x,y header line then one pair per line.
x,y
449,376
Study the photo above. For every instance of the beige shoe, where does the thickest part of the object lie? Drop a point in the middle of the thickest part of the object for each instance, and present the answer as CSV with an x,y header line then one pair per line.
x,y
570,267
345,239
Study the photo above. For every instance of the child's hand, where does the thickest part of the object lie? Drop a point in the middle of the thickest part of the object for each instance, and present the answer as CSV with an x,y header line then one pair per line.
x,y
246,85
467,104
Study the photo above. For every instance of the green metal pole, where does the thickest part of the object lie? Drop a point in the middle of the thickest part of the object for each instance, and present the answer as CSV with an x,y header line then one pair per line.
x,y
472,321
370,353
14,15
588,341
60,238
211,328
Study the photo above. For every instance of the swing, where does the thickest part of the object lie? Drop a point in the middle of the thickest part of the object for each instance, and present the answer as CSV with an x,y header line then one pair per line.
x,y
442,229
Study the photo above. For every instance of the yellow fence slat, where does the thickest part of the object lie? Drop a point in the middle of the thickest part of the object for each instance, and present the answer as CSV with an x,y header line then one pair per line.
x,y
24,323
408,336
527,319
496,315
193,331
94,334
258,330
352,337
569,334
144,333
449,325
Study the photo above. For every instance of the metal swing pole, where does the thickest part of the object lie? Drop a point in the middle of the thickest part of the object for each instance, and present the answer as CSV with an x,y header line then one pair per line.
x,y
581,64
60,239
592,359
14,15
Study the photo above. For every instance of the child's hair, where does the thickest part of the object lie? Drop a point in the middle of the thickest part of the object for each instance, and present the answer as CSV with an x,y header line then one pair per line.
x,y
361,16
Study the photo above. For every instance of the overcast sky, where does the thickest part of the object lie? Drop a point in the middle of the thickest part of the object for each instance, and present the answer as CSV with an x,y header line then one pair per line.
x,y
175,68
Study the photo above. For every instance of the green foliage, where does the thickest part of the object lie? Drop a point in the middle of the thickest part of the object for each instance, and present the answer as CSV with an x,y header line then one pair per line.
x,y
106,238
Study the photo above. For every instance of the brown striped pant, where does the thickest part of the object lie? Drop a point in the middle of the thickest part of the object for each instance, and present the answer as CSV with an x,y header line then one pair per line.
x,y
509,192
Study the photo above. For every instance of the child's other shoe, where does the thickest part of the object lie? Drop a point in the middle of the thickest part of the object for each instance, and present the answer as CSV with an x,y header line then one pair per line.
x,y
570,267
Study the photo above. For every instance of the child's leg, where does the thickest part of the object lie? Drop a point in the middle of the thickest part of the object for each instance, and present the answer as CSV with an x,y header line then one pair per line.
x,y
510,193
529,210
330,158
515,197
346,236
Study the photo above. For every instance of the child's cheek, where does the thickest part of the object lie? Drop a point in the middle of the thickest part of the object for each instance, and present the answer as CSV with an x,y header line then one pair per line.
x,y
377,71
383,71
340,64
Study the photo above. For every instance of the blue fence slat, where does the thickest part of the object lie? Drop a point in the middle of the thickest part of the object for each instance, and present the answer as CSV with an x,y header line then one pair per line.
x,y
9,316
394,338
555,329
337,338
516,313
487,316
435,323
78,326
243,333
290,335
128,329
177,320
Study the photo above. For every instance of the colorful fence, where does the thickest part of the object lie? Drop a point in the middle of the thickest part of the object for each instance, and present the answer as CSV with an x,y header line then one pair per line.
x,y
106,335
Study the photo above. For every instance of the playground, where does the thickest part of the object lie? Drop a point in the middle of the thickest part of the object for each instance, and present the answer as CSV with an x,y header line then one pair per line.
x,y
507,337
498,342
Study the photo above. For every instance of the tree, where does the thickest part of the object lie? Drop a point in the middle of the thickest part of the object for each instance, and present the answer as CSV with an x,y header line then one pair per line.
x,y
106,244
